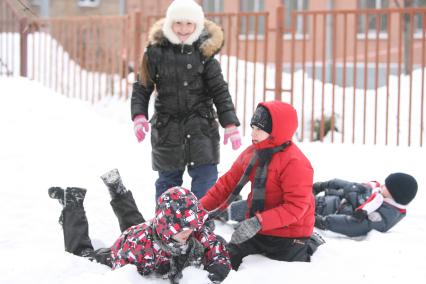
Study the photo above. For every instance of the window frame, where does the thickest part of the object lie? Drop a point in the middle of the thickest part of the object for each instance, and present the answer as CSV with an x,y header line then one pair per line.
x,y
372,32
301,5
219,6
418,24
88,3
257,4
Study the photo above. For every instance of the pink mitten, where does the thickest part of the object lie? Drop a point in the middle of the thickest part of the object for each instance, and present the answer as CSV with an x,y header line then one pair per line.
x,y
139,125
232,133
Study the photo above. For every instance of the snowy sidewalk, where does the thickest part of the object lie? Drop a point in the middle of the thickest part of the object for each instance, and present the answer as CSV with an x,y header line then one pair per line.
x,y
49,140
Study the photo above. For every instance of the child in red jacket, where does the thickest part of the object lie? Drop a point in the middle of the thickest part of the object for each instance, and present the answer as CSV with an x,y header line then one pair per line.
x,y
280,217
174,239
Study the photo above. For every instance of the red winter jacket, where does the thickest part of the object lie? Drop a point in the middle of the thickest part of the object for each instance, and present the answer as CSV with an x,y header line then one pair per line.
x,y
289,202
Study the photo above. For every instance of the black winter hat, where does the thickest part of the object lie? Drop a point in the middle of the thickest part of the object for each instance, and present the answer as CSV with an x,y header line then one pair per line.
x,y
402,187
262,119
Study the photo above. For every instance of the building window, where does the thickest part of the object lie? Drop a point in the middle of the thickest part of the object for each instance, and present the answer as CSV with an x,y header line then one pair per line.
x,y
419,18
213,6
295,5
369,23
247,25
88,3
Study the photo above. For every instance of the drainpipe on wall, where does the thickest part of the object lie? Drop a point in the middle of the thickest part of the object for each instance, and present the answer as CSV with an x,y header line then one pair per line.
x,y
122,8
329,41
44,8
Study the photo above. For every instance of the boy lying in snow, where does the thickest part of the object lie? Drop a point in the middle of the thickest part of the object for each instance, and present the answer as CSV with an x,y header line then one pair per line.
x,y
174,239
354,209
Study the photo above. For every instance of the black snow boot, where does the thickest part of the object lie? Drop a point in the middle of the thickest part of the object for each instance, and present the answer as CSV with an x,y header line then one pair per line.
x,y
74,196
314,242
56,193
75,226
114,183
321,222
318,187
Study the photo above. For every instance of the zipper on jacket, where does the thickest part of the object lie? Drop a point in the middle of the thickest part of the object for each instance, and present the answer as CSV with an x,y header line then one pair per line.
x,y
187,145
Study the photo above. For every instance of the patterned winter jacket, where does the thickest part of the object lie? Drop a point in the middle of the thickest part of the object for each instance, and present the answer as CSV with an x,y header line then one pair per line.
x,y
149,245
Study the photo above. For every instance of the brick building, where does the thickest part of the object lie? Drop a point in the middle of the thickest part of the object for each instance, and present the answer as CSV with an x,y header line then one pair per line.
x,y
64,8
315,39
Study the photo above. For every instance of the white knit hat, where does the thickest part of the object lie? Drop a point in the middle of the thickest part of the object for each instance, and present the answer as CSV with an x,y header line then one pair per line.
x,y
183,10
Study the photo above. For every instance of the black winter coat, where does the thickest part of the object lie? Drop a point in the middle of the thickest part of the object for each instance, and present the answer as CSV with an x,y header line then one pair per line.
x,y
189,84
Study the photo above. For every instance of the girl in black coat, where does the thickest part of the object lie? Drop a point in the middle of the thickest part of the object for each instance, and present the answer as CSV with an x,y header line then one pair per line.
x,y
191,94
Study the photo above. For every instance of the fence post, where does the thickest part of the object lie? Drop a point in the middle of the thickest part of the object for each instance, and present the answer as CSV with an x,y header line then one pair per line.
x,y
23,46
279,52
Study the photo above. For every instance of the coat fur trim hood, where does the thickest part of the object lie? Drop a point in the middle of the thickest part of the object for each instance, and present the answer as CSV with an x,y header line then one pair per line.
x,y
183,10
211,38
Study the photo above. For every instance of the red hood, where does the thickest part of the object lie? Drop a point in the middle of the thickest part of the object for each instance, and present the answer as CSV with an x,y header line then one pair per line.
x,y
284,124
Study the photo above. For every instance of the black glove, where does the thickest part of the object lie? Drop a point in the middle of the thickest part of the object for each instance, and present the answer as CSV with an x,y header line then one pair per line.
x,y
360,215
218,272
246,230
195,253
320,222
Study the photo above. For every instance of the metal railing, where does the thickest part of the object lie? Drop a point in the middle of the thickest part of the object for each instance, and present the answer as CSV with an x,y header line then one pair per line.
x,y
13,40
364,85
354,76
82,57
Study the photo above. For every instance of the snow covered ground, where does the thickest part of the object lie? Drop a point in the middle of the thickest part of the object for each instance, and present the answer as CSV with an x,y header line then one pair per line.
x,y
49,140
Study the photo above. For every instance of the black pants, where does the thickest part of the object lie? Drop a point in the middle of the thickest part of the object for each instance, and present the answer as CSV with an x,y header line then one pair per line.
x,y
76,227
273,247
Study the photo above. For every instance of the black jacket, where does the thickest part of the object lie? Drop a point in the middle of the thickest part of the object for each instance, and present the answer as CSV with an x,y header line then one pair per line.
x,y
189,82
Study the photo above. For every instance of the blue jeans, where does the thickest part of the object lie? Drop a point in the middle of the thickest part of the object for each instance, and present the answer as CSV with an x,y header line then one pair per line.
x,y
203,177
